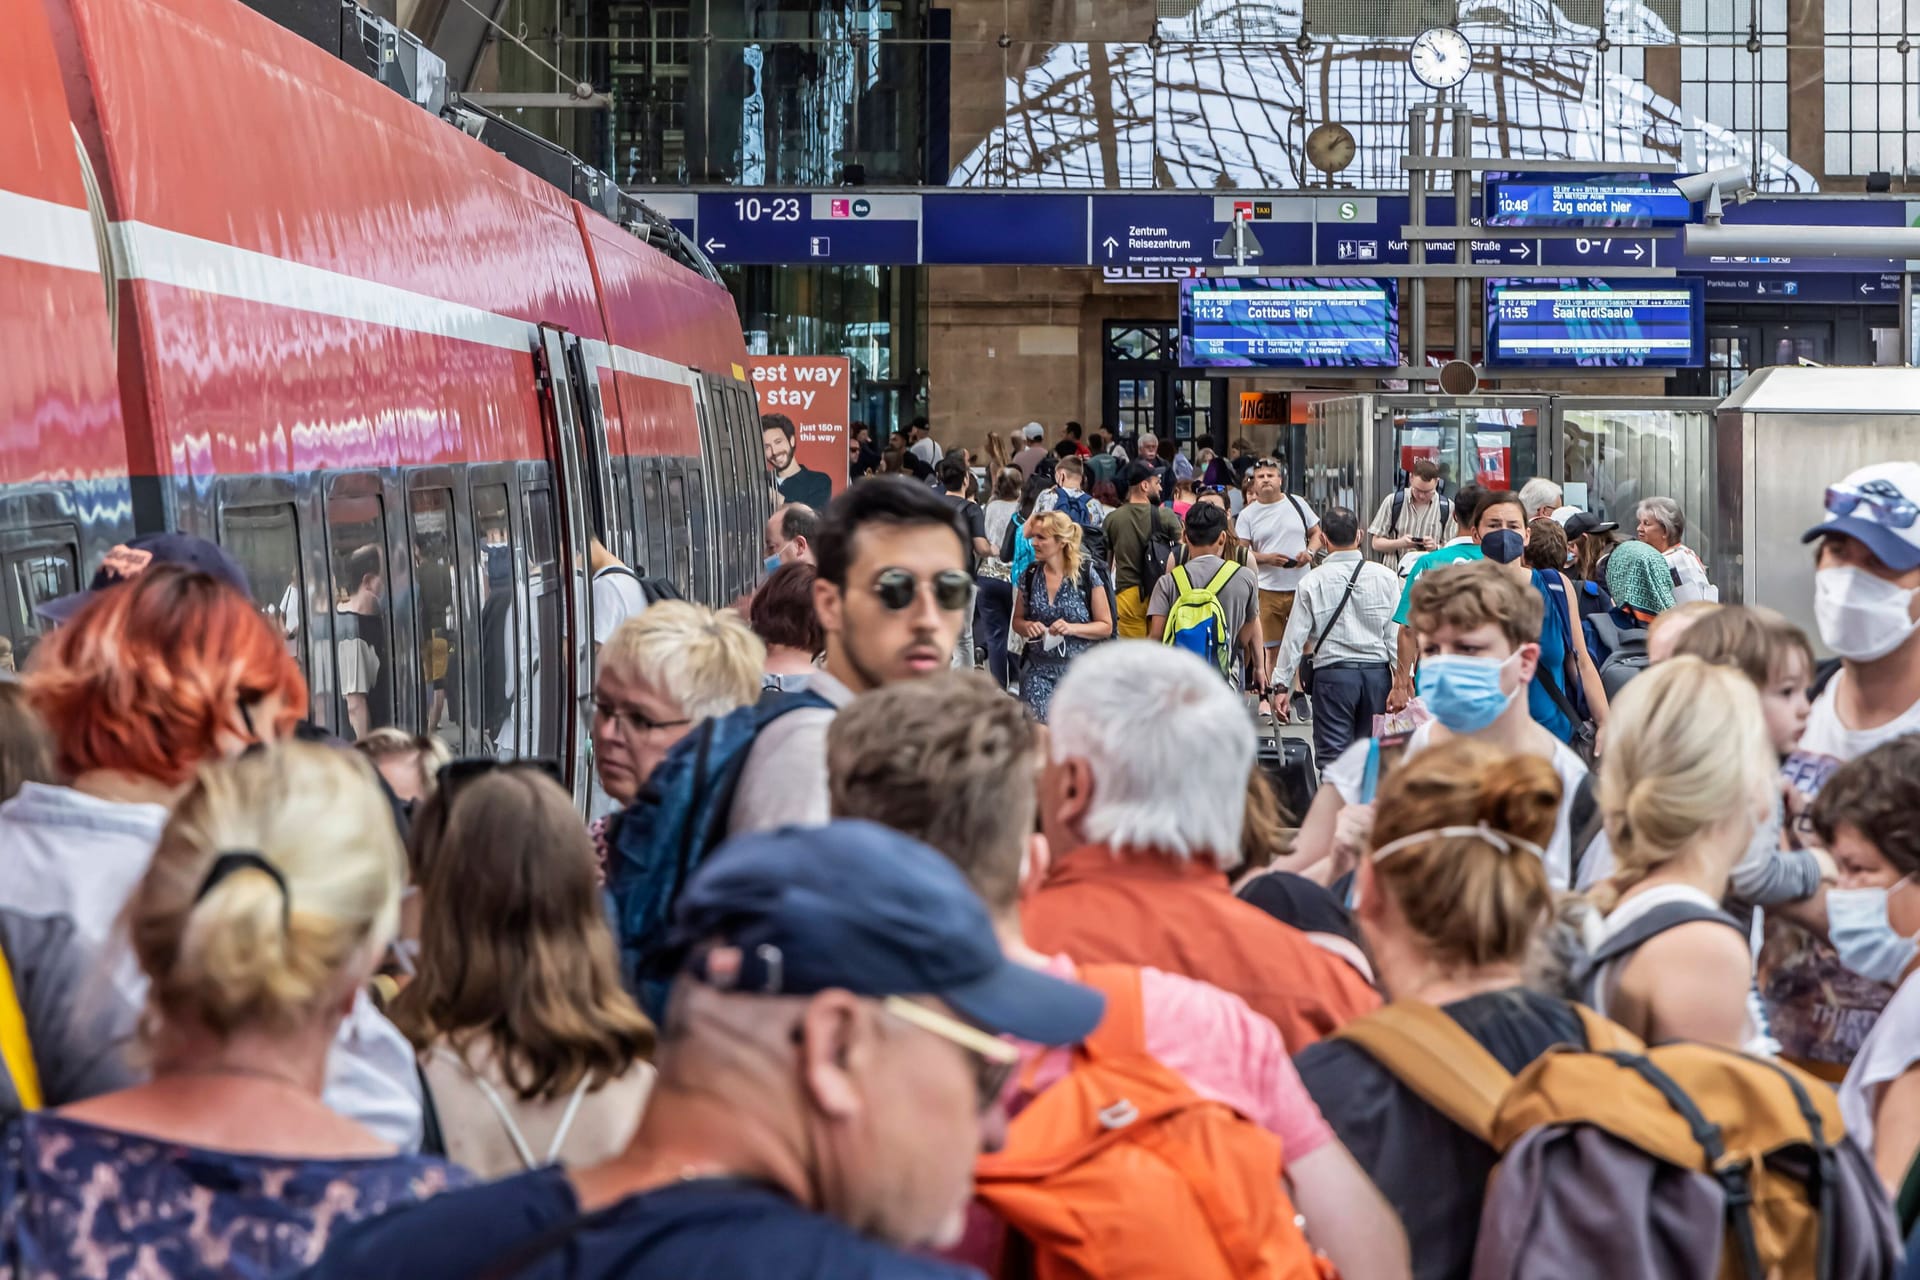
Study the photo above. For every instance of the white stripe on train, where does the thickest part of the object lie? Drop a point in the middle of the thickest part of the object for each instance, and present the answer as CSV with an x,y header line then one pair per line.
x,y
56,235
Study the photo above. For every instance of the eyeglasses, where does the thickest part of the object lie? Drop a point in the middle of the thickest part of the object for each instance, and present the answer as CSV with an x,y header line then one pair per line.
x,y
897,589
993,1059
632,721
1889,506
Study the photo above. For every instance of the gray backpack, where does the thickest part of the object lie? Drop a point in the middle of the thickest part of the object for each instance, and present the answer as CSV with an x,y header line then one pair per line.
x,y
1681,1162
1626,653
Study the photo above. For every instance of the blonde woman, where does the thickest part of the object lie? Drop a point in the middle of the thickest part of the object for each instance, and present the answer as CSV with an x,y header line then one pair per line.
x,y
1060,609
273,892
1687,777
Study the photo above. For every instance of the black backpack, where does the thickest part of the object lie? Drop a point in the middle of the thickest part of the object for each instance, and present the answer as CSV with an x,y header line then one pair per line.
x,y
652,590
1159,558
1399,504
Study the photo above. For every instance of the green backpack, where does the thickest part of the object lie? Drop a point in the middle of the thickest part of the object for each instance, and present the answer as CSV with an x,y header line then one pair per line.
x,y
1197,622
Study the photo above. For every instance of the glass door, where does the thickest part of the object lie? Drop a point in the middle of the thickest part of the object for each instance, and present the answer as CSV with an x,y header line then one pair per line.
x,y
1495,448
1143,387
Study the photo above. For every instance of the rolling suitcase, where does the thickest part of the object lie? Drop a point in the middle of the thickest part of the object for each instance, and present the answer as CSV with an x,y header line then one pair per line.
x,y
1288,763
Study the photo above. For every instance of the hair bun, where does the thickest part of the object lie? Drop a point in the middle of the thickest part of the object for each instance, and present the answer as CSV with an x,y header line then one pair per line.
x,y
1521,796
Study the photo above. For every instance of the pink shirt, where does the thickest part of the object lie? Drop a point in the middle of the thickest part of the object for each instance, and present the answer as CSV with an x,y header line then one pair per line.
x,y
1223,1049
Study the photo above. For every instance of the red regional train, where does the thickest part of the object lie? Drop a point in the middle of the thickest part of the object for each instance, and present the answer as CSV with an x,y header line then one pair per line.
x,y
249,292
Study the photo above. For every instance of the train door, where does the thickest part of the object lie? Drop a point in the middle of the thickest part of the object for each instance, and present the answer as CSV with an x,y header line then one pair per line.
x,y
559,525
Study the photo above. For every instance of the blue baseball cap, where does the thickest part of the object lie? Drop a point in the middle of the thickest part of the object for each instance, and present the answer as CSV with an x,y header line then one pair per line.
x,y
131,559
1880,506
859,907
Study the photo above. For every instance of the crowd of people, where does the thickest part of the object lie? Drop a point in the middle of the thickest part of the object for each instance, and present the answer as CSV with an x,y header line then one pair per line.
x,y
1592,954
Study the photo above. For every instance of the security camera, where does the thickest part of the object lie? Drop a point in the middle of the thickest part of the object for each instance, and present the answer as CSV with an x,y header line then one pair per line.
x,y
1712,187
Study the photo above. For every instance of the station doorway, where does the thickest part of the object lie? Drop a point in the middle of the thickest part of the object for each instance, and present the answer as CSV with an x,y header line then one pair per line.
x,y
1143,387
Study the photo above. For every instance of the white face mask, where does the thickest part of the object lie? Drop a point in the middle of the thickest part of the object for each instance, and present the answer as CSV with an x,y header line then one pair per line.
x,y
1860,616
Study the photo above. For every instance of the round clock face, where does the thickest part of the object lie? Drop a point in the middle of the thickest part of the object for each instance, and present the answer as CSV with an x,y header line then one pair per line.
x,y
1330,148
1441,57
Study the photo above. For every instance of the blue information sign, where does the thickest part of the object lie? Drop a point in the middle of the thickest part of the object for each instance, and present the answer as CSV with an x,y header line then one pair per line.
x,y
1038,228
799,228
1376,239
1613,324
1607,251
1577,200
1289,324
1166,231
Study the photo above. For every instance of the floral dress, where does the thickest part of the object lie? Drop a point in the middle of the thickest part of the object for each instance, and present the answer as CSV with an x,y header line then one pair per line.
x,y
1042,666
80,1200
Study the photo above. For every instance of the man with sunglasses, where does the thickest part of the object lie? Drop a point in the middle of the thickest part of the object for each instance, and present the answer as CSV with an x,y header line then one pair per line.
x,y
831,1069
893,592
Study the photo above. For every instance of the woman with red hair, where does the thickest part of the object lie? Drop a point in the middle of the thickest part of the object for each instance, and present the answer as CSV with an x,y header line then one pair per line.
x,y
151,677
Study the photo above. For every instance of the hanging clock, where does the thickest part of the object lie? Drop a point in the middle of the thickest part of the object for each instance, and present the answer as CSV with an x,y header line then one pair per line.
x,y
1440,57
1330,148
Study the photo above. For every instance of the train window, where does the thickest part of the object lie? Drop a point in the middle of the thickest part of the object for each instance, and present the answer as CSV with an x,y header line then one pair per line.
x,y
679,533
362,604
545,589
44,569
623,502
436,604
500,678
659,559
266,542
697,513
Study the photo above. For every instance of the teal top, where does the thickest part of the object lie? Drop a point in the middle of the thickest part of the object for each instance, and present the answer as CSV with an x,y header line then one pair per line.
x,y
1433,560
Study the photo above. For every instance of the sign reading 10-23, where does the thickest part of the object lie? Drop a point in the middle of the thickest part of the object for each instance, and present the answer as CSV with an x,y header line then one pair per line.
x,y
775,228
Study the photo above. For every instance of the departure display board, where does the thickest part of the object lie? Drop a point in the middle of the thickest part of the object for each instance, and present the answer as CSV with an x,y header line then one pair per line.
x,y
1575,200
1289,324
1596,324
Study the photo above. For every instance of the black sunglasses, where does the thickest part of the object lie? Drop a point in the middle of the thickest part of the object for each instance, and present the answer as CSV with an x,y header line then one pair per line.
x,y
897,588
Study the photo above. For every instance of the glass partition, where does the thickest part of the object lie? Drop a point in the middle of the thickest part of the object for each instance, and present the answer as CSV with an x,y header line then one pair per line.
x,y
1493,448
1620,452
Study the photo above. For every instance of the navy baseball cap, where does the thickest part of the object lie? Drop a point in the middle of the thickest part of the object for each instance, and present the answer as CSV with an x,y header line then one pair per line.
x,y
858,907
131,559
1880,506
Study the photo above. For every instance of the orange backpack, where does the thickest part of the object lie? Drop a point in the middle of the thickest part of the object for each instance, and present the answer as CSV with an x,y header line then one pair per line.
x,y
1120,1171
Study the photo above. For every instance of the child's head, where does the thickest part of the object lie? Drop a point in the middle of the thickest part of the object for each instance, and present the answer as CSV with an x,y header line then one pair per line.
x,y
1768,650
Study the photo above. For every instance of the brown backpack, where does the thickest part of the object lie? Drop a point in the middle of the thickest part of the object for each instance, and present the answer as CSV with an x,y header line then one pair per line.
x,y
1685,1160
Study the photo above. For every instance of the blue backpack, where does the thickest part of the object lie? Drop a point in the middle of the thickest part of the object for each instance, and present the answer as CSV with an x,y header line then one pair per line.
x,y
675,822
1073,503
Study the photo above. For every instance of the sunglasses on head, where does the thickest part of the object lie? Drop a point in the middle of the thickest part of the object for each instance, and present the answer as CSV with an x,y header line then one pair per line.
x,y
897,589
1887,504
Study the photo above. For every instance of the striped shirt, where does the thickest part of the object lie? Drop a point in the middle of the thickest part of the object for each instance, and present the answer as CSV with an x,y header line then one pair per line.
x,y
1364,631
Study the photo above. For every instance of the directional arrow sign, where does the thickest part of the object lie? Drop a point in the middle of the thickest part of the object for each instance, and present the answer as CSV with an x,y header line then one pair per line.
x,y
1523,251
714,246
1110,244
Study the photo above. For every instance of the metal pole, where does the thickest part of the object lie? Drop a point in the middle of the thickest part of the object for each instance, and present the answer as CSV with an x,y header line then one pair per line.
x,y
1906,317
1416,247
1463,180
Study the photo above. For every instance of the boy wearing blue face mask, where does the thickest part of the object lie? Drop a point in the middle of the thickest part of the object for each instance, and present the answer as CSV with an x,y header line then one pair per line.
x,y
1478,638
1864,816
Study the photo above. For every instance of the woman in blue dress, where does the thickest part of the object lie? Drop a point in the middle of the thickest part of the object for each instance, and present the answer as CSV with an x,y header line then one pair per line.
x,y
1060,609
271,896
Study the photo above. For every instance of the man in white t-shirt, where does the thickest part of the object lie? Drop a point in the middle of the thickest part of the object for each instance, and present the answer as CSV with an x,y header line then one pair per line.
x,y
1866,599
1471,618
1283,532
616,593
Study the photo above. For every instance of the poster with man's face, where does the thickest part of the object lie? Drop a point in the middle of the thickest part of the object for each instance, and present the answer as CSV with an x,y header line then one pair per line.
x,y
804,409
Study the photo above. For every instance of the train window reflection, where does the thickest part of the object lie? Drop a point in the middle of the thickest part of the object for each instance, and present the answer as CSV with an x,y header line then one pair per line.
x,y
35,575
548,671
266,542
436,602
362,609
499,672
654,508
678,533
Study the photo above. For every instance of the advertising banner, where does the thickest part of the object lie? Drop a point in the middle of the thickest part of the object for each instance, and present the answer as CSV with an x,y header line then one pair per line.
x,y
804,408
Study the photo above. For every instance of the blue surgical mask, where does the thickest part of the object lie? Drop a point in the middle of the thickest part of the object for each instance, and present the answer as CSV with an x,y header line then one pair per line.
x,y
1858,926
1463,692
770,563
1504,546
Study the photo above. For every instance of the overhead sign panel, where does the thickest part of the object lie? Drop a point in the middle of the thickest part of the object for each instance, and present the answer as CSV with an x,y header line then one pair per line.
x,y
1596,324
1366,230
1577,200
1289,324
1029,228
800,228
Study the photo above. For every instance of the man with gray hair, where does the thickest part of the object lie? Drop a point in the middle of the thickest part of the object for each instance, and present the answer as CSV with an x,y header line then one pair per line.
x,y
1541,497
1145,829
831,1065
1661,524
